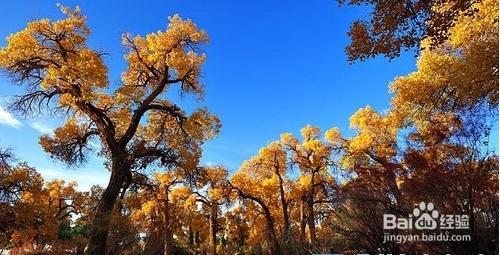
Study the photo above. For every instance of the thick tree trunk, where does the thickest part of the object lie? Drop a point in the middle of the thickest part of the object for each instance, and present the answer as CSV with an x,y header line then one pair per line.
x,y
284,205
302,221
190,236
273,241
311,224
166,231
287,236
398,195
213,229
100,224
310,213
241,239
168,243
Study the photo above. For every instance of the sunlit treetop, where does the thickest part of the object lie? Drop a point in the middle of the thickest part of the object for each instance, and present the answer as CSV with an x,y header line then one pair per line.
x,y
53,62
312,153
333,135
458,75
212,185
172,53
394,26
262,176
376,137
51,57
314,156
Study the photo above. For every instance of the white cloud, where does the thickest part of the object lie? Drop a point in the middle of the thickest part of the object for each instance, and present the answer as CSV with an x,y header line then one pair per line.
x,y
210,163
42,128
7,119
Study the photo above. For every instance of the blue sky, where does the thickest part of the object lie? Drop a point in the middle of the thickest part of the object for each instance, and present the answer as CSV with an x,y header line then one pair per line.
x,y
272,67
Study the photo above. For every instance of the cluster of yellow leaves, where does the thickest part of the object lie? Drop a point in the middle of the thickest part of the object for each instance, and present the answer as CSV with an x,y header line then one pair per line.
x,y
70,130
169,52
21,174
168,198
312,154
70,136
202,125
51,204
215,180
376,133
167,179
310,133
59,48
260,175
121,117
460,73
249,181
272,160
303,184
442,126
185,140
333,135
